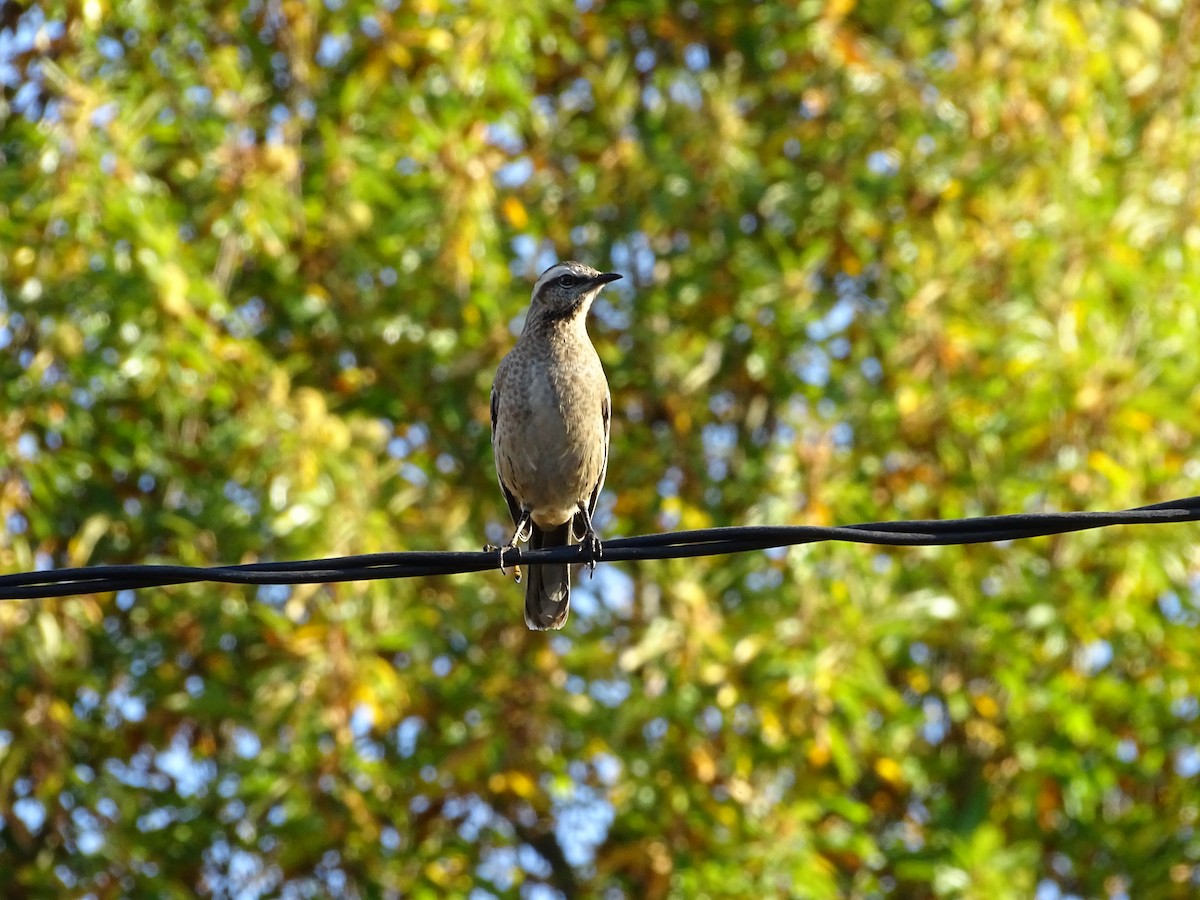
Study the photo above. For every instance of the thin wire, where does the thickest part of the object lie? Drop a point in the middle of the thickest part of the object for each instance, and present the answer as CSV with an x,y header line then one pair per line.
x,y
670,545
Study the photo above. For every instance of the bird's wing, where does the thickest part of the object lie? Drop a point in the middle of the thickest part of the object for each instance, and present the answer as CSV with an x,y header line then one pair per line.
x,y
606,415
514,508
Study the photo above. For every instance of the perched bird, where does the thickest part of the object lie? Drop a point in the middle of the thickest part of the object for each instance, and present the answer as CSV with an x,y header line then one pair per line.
x,y
550,415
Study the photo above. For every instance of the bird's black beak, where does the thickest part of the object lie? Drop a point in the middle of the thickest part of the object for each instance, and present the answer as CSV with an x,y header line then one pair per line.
x,y
605,278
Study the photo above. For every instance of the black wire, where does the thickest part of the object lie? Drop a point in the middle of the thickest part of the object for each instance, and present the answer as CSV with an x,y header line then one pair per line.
x,y
671,545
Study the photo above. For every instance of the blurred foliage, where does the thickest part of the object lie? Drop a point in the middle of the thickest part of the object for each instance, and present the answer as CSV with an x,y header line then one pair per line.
x,y
883,260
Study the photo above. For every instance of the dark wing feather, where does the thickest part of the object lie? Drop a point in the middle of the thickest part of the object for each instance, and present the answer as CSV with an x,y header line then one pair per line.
x,y
514,508
606,414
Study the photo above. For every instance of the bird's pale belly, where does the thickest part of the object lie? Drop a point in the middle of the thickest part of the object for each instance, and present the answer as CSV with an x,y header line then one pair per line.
x,y
556,466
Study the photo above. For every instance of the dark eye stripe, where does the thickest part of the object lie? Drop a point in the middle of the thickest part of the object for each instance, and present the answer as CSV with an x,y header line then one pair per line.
x,y
568,280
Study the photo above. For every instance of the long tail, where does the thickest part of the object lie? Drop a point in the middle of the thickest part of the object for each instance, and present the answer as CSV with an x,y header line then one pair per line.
x,y
548,591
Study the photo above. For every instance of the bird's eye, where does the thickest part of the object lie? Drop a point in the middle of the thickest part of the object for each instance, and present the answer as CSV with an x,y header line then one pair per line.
x,y
568,280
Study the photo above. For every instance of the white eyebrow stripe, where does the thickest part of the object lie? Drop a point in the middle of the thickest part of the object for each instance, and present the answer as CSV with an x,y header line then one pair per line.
x,y
548,276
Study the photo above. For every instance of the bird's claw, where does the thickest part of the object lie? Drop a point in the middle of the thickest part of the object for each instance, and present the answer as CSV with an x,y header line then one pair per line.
x,y
593,548
500,551
523,532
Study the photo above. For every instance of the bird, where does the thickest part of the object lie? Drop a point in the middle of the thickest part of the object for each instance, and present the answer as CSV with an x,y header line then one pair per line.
x,y
551,410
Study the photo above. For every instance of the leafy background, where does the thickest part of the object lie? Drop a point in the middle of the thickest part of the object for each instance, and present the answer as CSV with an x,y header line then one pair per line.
x,y
883,260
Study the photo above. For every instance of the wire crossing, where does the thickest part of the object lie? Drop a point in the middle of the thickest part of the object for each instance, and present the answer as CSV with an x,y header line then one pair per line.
x,y
668,545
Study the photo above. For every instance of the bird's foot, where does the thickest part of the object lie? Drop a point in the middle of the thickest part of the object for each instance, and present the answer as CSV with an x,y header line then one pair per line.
x,y
590,543
593,548
500,551
523,532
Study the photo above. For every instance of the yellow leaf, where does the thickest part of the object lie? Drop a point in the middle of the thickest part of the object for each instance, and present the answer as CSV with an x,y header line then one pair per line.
x,y
772,730
515,212
522,785
360,215
702,762
1069,25
1145,28
850,262
398,54
93,12
380,690
889,770
986,706
1136,420
836,10
60,712
80,547
818,756
438,40
51,634
438,873
307,639
1101,462
173,290
24,257
727,696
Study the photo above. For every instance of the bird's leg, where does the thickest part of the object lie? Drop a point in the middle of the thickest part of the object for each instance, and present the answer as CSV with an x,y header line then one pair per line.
x,y
523,532
591,544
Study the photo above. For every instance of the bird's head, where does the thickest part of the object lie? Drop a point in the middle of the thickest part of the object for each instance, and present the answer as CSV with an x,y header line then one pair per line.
x,y
566,291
